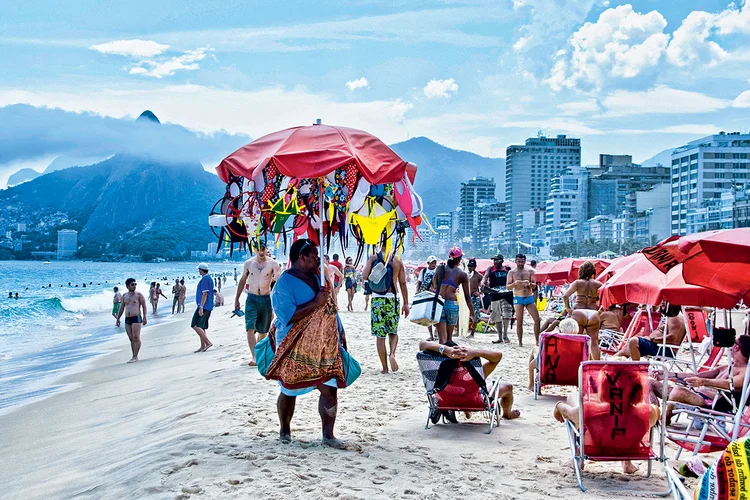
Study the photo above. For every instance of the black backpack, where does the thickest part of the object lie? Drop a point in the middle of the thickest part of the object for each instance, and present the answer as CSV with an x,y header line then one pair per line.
x,y
384,275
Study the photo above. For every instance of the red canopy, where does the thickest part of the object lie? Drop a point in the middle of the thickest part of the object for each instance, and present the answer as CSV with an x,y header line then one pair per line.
x,y
566,270
617,265
730,278
726,245
315,151
638,281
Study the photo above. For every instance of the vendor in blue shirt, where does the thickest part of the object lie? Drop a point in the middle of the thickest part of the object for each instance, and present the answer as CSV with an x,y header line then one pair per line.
x,y
204,299
296,294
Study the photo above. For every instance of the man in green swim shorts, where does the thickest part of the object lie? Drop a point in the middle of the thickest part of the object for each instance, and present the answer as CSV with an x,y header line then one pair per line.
x,y
258,273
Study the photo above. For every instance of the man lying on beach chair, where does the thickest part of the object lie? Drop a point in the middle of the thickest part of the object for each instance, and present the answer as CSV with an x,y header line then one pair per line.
x,y
455,379
708,389
654,344
612,419
562,352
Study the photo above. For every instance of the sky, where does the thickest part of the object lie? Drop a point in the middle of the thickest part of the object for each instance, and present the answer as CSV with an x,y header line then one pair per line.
x,y
626,77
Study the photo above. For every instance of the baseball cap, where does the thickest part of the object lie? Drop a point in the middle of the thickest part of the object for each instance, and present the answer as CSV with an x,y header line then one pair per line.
x,y
431,258
203,266
498,257
455,253
472,262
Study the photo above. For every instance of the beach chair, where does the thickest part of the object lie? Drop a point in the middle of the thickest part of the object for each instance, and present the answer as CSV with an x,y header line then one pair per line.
x,y
614,417
453,385
560,356
642,323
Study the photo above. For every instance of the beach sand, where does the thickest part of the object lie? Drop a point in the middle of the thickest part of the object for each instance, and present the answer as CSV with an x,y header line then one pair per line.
x,y
184,425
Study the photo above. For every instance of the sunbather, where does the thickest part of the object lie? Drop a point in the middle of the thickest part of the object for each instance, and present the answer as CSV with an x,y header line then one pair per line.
x,y
632,411
700,389
568,325
490,359
652,345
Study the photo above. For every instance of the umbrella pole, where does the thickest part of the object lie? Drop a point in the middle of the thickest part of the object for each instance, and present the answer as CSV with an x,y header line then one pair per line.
x,y
320,239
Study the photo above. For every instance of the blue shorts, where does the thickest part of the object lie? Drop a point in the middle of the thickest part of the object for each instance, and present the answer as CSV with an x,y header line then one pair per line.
x,y
450,313
523,301
650,348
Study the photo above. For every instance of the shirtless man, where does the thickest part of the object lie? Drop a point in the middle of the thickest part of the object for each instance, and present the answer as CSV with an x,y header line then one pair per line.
x,y
475,286
335,276
611,318
257,275
116,302
134,302
652,345
522,281
183,293
176,295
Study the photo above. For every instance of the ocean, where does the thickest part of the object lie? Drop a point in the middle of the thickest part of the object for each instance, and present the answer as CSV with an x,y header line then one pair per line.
x,y
56,323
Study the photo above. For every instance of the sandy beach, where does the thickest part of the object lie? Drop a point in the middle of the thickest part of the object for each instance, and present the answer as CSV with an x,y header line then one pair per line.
x,y
181,425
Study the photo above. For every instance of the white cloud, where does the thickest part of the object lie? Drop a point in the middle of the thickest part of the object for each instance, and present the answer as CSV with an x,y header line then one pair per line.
x,y
357,84
522,43
159,69
690,42
579,107
131,48
622,43
440,88
660,100
742,100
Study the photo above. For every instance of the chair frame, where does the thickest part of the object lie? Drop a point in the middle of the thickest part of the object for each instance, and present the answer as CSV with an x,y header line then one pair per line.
x,y
492,405
576,440
538,384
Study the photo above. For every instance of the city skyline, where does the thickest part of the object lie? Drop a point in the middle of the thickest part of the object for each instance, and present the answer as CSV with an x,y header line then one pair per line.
x,y
625,77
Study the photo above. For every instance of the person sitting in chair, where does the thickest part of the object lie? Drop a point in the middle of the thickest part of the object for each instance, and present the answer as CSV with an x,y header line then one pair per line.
x,y
489,358
600,405
568,325
651,345
701,389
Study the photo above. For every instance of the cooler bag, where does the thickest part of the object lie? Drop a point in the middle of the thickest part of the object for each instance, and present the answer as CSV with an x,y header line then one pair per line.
x,y
426,308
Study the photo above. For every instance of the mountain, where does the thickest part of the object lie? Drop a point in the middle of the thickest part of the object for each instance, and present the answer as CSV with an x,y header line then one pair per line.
x,y
23,175
441,171
125,204
149,116
67,161
665,158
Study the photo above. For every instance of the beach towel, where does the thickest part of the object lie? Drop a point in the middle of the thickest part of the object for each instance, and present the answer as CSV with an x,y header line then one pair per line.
x,y
309,354
729,477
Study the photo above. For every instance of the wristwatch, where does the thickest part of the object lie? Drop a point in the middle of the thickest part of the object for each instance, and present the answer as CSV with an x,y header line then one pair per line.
x,y
442,348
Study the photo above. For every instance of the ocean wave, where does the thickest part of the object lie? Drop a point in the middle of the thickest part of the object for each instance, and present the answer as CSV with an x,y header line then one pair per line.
x,y
78,306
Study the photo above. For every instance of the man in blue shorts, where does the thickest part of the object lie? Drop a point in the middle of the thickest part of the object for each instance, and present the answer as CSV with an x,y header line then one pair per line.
x,y
522,281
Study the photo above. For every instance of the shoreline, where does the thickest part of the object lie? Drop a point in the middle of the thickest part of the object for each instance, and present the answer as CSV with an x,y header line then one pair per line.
x,y
179,425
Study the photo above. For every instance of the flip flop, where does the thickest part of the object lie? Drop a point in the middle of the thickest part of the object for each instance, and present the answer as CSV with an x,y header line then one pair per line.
x,y
497,341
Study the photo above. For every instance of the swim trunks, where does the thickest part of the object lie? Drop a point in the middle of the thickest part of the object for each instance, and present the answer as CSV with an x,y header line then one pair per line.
x,y
200,321
258,313
384,316
476,302
450,313
367,288
129,320
650,348
116,308
524,301
499,310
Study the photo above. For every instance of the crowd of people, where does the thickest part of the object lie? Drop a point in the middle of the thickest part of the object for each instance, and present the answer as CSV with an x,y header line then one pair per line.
x,y
276,299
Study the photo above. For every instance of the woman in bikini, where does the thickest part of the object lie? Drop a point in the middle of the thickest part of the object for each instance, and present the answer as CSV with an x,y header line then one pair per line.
x,y
448,278
586,308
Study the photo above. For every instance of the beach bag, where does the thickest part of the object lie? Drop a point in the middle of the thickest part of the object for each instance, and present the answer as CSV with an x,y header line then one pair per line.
x,y
723,336
352,369
265,351
381,276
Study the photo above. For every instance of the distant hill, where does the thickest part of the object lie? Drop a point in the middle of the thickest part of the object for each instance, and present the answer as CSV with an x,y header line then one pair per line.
x,y
23,175
126,204
665,158
442,169
67,161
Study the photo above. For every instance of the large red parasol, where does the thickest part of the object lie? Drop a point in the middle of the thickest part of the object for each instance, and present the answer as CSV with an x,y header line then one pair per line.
x,y
639,282
617,265
566,270
316,151
727,245
699,269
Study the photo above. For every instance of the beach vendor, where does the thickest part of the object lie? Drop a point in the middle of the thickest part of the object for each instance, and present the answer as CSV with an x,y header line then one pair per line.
x,y
296,296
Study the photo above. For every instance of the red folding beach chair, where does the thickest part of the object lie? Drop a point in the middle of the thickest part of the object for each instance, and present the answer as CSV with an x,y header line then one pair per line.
x,y
465,391
614,416
560,356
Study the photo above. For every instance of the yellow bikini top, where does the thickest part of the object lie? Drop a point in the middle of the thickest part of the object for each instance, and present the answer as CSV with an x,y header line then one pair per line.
x,y
372,226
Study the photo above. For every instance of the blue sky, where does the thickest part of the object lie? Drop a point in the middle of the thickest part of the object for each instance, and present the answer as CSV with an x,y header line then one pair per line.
x,y
635,77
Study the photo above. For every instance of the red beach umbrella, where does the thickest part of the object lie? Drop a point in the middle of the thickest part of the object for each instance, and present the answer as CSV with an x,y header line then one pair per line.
x,y
726,245
566,270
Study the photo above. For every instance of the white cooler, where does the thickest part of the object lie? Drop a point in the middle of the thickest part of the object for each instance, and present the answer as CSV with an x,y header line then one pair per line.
x,y
426,308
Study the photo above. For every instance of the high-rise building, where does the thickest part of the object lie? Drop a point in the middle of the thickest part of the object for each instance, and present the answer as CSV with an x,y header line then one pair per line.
x,y
212,248
530,168
443,225
568,197
616,178
67,243
702,170
485,213
473,191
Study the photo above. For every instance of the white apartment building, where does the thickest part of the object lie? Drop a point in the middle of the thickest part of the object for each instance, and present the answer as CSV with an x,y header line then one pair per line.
x,y
702,170
530,168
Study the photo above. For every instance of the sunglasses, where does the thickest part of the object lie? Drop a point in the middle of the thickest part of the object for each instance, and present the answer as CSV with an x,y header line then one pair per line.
x,y
305,246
